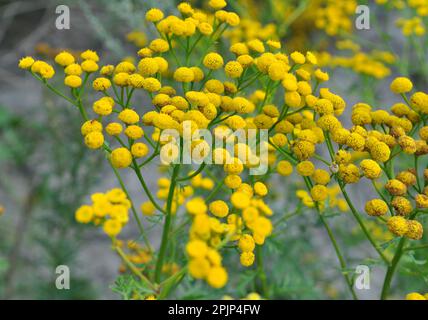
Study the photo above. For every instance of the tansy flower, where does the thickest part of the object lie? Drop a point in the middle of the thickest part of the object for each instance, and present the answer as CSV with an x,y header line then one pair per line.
x,y
371,169
376,207
401,85
154,15
112,227
213,61
91,126
147,208
396,187
26,62
101,84
94,140
240,200
90,55
129,116
402,206
217,277
219,208
84,214
73,69
298,57
398,225
233,69
414,230
73,81
114,129
305,168
139,149
319,193
121,158
89,66
64,58
247,258
184,74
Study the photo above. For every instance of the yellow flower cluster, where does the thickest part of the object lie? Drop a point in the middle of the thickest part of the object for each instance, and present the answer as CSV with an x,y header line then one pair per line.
x,y
257,86
109,210
214,225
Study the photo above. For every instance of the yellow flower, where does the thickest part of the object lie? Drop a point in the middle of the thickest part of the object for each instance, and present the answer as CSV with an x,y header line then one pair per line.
x,y
415,296
319,193
219,208
147,208
246,243
217,277
398,225
129,116
396,187
154,15
260,189
247,258
84,214
94,140
421,201
73,69
112,227
233,69
305,168
376,207
213,61
370,169
196,206
121,158
90,55
232,181
89,66
402,206
321,176
298,57
91,126
64,58
292,99
401,85
101,84
184,74
139,149
199,268
217,4
159,45
26,62
134,132
103,106
73,81
197,249
240,200
414,230
148,66
114,129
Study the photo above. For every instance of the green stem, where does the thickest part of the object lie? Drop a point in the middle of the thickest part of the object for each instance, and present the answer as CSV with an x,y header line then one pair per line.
x,y
165,232
361,223
260,272
144,185
334,243
391,269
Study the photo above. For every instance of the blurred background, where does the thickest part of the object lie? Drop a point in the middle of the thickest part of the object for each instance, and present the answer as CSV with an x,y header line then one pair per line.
x,y
46,172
